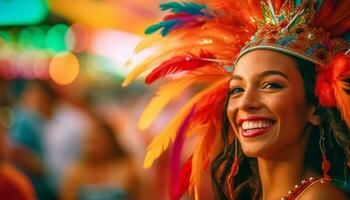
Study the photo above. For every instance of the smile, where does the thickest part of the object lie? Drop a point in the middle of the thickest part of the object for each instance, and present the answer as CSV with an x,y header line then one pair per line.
x,y
255,126
249,125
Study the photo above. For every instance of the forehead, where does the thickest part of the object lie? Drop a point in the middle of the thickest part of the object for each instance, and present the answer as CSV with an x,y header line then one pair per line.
x,y
258,61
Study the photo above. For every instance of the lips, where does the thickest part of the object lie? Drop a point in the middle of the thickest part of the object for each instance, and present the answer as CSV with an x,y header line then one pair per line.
x,y
252,126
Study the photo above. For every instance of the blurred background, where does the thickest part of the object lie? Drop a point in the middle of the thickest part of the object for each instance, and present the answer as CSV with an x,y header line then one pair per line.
x,y
68,128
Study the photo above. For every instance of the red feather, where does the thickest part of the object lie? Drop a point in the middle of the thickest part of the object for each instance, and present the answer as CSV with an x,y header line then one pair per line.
x,y
277,5
333,16
178,64
184,181
176,15
211,105
332,85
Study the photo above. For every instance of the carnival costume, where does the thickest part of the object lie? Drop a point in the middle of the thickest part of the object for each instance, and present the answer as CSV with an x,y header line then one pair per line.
x,y
199,44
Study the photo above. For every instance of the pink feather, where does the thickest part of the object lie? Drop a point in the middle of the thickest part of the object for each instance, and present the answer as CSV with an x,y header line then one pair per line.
x,y
185,175
176,154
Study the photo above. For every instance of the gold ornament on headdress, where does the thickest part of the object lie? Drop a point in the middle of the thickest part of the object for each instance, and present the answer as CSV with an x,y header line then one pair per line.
x,y
290,31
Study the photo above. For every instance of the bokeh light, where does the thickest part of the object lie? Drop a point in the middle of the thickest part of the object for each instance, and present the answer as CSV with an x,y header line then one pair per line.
x,y
22,12
64,68
77,38
5,37
55,38
41,65
24,64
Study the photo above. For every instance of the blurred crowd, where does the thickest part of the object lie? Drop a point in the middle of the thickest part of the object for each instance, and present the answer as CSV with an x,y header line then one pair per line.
x,y
56,146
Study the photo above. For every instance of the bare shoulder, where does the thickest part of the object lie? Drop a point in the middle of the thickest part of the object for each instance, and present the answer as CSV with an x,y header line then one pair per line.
x,y
324,191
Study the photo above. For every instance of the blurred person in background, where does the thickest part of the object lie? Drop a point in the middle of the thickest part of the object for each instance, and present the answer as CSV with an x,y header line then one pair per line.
x,y
35,107
104,172
13,184
62,139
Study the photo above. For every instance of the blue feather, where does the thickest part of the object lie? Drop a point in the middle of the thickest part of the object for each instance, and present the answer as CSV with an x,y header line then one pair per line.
x,y
297,3
318,4
184,7
192,9
166,25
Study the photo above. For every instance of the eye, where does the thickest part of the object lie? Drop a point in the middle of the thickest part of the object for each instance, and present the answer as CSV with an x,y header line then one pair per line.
x,y
272,85
236,90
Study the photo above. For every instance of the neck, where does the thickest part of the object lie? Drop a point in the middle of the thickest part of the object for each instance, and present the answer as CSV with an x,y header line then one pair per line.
x,y
279,175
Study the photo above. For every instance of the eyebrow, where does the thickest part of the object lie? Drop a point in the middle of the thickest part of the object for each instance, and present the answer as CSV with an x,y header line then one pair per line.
x,y
262,75
272,72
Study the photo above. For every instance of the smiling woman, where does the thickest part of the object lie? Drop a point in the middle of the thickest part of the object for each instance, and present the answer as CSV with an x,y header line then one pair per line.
x,y
273,118
276,121
267,106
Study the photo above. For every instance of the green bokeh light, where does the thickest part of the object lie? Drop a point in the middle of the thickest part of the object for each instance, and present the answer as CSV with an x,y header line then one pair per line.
x,y
55,38
5,36
32,37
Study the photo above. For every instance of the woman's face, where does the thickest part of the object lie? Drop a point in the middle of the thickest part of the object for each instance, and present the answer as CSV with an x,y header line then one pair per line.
x,y
267,107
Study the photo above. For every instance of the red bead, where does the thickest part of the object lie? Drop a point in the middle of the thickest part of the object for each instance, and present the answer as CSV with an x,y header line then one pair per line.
x,y
326,165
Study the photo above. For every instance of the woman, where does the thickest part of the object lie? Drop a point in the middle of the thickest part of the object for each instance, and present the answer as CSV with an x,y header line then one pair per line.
x,y
104,172
274,115
278,128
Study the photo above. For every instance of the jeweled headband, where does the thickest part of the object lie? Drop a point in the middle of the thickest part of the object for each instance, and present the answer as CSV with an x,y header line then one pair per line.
x,y
290,31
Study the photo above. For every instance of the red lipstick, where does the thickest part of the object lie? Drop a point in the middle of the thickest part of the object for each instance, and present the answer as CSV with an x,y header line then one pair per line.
x,y
254,132
257,131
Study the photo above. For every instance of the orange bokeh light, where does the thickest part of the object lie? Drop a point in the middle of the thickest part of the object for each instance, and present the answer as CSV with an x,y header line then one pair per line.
x,y
64,68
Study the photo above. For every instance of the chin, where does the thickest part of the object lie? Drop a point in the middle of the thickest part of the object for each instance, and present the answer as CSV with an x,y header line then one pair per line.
x,y
251,153
255,152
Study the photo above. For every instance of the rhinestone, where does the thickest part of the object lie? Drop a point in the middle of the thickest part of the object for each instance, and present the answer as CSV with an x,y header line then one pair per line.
x,y
289,192
187,58
311,36
303,182
296,186
311,178
284,198
299,30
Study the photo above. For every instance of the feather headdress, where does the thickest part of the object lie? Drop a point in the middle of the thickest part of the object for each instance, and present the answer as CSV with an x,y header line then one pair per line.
x,y
202,39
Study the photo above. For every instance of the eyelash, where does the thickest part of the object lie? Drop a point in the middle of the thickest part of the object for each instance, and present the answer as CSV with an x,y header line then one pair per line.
x,y
234,90
274,85
269,85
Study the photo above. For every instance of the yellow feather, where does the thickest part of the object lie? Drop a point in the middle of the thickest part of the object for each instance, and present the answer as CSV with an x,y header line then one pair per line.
x,y
172,90
161,142
156,39
165,93
197,160
155,60
190,43
152,61
147,42
204,154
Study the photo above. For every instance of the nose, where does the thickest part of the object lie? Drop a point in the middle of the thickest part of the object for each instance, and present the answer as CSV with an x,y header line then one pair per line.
x,y
250,100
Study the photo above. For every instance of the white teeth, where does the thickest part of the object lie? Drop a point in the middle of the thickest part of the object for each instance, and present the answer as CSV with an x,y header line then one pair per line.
x,y
246,125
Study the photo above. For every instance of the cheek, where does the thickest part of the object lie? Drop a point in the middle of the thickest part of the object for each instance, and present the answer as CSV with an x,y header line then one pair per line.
x,y
290,110
231,114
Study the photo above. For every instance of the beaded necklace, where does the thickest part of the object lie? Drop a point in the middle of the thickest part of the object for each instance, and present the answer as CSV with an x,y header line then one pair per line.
x,y
303,186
